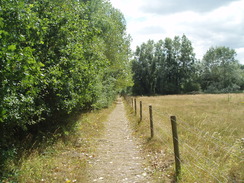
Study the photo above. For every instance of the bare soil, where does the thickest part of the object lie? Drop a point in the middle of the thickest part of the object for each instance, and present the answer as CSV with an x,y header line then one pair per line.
x,y
118,158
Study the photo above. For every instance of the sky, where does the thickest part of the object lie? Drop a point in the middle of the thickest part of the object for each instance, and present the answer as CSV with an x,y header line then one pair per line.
x,y
206,24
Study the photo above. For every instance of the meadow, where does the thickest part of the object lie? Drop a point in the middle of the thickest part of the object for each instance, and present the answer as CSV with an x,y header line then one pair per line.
x,y
210,135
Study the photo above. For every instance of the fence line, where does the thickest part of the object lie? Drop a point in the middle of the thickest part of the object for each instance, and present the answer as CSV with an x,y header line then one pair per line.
x,y
201,134
140,111
201,162
227,149
176,146
199,154
151,121
165,142
190,128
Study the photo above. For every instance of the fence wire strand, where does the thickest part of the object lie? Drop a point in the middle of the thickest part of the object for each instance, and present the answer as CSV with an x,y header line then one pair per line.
x,y
226,149
180,122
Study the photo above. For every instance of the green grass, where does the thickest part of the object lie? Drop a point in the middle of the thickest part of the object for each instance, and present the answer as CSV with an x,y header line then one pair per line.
x,y
67,159
210,130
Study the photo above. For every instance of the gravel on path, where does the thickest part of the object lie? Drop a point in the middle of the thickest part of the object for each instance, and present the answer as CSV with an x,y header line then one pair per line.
x,y
118,158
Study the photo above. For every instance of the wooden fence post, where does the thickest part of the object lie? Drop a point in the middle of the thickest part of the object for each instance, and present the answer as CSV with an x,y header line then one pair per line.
x,y
132,102
151,121
135,105
176,147
140,110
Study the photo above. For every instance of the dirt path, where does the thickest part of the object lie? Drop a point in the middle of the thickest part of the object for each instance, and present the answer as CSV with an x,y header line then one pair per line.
x,y
118,159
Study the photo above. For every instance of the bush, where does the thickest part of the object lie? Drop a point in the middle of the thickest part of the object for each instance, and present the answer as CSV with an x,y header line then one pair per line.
x,y
57,57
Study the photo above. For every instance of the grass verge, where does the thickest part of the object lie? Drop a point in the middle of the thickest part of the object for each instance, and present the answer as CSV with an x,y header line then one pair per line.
x,y
161,166
66,158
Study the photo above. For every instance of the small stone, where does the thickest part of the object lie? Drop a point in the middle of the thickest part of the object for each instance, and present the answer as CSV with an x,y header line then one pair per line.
x,y
144,174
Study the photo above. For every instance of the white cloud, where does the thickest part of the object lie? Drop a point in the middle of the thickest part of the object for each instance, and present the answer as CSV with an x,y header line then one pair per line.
x,y
218,24
130,8
175,6
240,55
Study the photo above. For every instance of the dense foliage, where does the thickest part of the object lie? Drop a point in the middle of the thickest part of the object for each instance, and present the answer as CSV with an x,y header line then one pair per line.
x,y
57,57
165,67
170,67
220,71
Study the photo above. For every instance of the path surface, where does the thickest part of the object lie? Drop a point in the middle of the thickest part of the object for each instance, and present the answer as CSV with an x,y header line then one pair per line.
x,y
118,157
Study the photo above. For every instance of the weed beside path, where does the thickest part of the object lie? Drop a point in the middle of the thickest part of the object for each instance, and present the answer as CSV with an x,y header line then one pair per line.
x,y
68,158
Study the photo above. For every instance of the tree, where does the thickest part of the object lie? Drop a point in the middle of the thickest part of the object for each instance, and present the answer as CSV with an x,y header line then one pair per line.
x,y
159,59
187,73
220,70
113,44
165,67
171,49
144,69
58,57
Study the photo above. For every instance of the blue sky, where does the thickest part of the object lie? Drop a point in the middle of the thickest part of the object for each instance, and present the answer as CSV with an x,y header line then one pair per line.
x,y
206,23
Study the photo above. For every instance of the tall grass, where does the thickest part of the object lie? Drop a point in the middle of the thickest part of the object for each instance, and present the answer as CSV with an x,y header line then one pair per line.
x,y
210,130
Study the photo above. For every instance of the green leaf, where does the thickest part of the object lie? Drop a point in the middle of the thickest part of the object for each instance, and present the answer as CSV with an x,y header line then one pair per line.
x,y
12,47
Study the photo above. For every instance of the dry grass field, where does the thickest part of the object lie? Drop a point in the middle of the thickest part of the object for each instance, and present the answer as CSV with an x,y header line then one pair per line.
x,y
210,132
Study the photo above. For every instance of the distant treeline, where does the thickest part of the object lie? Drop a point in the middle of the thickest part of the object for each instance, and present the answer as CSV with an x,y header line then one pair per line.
x,y
170,67
58,57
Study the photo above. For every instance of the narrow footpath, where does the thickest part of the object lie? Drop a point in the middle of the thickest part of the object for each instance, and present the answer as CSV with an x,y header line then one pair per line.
x,y
118,158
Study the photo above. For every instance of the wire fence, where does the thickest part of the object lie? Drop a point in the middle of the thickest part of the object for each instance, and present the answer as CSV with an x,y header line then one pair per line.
x,y
203,156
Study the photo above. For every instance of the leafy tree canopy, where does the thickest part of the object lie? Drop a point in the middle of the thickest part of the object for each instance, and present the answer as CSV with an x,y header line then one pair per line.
x,y
165,67
221,71
57,57
170,67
